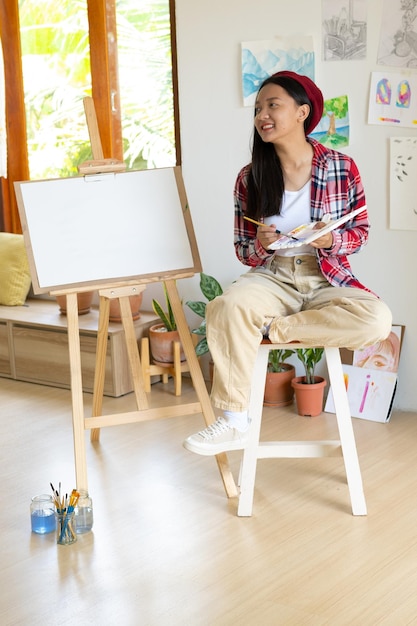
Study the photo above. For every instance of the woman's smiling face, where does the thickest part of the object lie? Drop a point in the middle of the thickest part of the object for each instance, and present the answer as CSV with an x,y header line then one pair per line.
x,y
277,114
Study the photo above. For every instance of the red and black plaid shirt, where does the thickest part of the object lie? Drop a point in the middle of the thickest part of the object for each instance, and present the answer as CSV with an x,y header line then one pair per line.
x,y
336,189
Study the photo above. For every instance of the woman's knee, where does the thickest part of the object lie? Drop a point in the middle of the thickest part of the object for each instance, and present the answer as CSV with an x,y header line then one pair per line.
x,y
379,321
238,302
384,319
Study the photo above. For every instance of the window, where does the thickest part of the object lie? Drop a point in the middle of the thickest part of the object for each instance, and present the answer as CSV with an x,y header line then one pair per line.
x,y
122,52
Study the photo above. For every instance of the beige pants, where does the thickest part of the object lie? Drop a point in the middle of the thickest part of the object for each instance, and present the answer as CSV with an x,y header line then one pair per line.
x,y
302,305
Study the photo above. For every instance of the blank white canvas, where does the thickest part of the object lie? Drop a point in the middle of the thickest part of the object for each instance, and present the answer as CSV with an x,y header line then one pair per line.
x,y
105,227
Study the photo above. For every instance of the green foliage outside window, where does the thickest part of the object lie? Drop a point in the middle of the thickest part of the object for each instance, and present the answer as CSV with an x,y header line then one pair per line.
x,y
56,71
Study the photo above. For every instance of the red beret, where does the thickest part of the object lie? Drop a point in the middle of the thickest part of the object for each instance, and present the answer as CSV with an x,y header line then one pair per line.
x,y
314,95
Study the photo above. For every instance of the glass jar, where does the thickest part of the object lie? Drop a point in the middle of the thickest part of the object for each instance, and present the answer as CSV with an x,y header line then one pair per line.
x,y
42,514
65,528
84,513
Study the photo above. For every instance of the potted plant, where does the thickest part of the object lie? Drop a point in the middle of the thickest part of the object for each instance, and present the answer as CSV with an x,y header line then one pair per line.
x,y
84,300
309,389
210,288
135,304
162,336
278,388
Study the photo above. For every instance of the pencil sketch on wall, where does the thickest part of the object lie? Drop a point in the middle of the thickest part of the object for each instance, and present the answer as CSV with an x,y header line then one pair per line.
x,y
398,37
344,30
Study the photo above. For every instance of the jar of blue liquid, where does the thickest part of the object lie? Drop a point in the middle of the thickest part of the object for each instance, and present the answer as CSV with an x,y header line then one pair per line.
x,y
84,517
42,514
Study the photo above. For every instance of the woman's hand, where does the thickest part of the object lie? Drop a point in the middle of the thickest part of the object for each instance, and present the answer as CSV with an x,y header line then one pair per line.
x,y
267,235
326,241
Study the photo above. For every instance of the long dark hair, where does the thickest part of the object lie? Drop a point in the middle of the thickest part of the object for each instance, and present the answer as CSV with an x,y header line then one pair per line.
x,y
266,178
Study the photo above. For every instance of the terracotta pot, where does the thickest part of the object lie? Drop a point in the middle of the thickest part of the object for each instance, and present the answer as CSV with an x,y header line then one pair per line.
x,y
278,388
135,304
309,398
161,343
84,300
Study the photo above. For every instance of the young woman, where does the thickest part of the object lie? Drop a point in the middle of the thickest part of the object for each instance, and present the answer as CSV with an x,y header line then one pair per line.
x,y
307,293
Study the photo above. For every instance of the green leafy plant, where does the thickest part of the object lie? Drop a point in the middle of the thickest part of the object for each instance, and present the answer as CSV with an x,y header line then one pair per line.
x,y
277,358
310,357
167,317
210,288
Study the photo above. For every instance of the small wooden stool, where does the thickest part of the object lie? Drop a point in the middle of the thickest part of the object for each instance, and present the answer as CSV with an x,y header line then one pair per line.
x,y
175,369
256,449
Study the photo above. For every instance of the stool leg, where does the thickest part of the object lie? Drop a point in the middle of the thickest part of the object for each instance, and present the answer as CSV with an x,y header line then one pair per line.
x,y
346,434
250,453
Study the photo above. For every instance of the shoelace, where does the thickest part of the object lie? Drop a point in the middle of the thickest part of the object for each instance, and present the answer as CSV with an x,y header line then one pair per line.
x,y
214,430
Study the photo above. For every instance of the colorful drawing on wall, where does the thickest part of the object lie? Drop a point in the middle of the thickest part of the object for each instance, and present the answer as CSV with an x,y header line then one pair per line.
x,y
261,59
398,37
383,91
403,197
391,101
333,128
344,30
403,94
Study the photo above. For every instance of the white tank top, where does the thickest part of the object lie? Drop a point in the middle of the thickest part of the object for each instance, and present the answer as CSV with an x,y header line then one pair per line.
x,y
295,210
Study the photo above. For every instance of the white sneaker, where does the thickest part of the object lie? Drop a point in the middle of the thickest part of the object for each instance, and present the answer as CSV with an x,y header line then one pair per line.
x,y
216,438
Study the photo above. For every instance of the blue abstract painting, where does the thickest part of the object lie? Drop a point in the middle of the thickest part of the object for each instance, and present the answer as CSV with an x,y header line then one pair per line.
x,y
261,59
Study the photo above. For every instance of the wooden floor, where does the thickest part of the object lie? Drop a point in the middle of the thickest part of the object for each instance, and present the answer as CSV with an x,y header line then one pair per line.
x,y
167,548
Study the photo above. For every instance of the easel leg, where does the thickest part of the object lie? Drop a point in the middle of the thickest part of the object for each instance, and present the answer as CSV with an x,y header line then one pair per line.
x,y
76,391
177,368
133,353
146,363
198,381
100,367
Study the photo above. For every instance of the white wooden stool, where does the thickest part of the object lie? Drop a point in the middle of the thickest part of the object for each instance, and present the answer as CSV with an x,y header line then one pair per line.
x,y
345,446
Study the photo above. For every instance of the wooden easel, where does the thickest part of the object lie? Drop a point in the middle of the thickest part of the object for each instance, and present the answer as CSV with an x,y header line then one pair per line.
x,y
122,291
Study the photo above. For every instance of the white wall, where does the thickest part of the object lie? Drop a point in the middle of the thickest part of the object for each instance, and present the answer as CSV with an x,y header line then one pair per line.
x,y
216,130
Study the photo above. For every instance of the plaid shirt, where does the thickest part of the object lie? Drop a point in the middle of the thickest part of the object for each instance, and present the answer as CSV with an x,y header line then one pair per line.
x,y
336,189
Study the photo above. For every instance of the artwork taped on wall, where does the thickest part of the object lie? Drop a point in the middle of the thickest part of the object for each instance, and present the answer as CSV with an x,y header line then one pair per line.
x,y
392,99
403,197
261,59
398,38
371,378
333,129
344,30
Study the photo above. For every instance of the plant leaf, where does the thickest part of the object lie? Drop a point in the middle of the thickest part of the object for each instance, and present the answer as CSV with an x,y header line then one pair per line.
x,y
202,347
197,307
210,287
201,330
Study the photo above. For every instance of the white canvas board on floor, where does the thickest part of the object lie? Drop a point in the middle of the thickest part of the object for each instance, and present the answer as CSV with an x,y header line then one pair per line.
x,y
370,393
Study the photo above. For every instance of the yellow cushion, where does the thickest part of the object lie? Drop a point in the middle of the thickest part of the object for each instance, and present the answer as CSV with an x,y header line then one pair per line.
x,y
14,270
